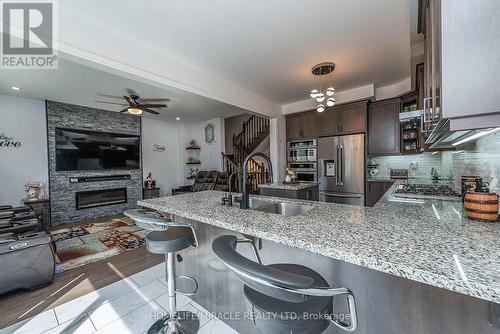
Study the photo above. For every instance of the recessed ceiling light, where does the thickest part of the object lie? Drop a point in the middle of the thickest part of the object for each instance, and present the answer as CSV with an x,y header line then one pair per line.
x,y
177,118
15,88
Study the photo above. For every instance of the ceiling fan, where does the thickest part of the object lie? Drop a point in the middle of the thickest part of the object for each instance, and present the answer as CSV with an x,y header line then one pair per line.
x,y
136,105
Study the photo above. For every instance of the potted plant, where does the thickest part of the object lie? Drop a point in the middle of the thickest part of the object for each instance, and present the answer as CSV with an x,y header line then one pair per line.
x,y
288,175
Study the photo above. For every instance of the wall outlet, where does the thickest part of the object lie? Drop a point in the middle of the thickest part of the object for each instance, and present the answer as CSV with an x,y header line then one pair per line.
x,y
414,165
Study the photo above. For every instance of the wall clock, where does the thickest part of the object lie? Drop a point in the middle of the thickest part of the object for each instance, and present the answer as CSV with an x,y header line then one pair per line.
x,y
210,133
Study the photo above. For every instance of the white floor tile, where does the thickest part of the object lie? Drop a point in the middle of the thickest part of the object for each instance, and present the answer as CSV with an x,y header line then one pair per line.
x,y
182,301
80,325
148,275
34,325
92,300
135,322
216,326
120,306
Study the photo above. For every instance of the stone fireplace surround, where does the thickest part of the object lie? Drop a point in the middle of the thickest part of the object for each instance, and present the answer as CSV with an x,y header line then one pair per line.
x,y
62,191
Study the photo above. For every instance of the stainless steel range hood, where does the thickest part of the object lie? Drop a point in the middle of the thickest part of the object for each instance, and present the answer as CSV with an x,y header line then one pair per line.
x,y
442,136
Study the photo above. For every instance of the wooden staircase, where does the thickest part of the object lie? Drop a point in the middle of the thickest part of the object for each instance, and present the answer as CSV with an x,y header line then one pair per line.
x,y
254,131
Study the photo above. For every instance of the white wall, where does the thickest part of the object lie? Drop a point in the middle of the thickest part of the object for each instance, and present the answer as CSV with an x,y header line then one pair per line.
x,y
277,138
25,121
168,168
165,166
209,154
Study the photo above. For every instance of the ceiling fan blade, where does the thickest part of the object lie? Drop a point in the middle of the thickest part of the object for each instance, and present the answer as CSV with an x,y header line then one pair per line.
x,y
111,96
131,91
154,105
130,101
150,111
118,104
126,109
154,100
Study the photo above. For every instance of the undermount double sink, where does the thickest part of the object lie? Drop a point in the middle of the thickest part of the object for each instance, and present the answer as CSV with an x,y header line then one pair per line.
x,y
280,208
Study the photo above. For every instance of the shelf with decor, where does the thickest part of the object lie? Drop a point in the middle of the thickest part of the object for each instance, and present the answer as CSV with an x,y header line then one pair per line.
x,y
410,137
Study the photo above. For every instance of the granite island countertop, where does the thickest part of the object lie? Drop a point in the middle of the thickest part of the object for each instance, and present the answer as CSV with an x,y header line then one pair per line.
x,y
290,186
430,242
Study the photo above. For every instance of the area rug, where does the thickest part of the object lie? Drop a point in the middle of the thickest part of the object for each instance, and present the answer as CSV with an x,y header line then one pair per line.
x,y
82,244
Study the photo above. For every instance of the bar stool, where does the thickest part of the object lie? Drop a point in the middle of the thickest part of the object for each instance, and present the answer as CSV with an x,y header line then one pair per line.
x,y
167,237
285,298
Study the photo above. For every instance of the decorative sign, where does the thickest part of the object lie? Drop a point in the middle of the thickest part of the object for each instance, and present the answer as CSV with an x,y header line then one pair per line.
x,y
158,148
210,133
6,141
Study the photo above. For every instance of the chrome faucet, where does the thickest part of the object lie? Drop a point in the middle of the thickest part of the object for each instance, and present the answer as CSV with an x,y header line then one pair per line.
x,y
245,200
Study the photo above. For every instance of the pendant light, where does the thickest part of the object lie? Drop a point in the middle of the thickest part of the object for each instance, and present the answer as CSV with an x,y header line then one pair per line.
x,y
320,71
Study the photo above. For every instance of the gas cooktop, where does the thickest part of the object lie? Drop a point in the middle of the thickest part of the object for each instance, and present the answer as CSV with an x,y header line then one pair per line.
x,y
437,191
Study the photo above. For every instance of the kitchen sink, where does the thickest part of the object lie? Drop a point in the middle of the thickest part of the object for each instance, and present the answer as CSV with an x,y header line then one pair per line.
x,y
285,208
256,203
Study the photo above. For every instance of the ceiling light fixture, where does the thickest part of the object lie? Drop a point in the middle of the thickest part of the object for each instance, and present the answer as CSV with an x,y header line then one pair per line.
x,y
177,118
15,88
319,71
135,111
476,135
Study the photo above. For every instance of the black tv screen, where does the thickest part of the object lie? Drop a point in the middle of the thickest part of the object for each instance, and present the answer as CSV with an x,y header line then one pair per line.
x,y
91,150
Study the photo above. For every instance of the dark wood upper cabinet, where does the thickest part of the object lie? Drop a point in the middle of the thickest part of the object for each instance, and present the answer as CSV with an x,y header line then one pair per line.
x,y
343,119
309,124
383,127
292,127
328,123
302,125
352,117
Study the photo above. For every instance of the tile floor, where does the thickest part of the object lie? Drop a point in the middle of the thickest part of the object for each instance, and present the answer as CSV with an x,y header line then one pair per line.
x,y
126,306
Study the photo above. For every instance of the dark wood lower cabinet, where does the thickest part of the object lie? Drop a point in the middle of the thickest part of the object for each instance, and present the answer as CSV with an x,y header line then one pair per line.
x,y
375,190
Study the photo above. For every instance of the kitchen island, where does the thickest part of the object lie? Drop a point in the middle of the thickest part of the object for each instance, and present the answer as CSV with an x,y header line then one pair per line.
x,y
299,190
413,268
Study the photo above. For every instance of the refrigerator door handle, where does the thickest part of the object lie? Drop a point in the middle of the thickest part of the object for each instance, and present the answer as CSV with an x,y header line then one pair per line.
x,y
341,168
337,178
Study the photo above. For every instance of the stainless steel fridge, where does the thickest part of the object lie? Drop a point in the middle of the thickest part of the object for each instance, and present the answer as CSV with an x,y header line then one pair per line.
x,y
342,169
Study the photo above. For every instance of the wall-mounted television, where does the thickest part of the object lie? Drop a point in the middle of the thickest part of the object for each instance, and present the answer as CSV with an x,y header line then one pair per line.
x,y
91,150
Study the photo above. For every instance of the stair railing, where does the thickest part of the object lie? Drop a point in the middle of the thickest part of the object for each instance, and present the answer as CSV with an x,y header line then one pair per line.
x,y
252,130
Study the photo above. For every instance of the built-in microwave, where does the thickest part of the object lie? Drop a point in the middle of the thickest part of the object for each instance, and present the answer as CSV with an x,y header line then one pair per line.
x,y
304,150
304,171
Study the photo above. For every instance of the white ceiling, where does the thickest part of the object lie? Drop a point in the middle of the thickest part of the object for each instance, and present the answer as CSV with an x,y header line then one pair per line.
x,y
266,47
81,85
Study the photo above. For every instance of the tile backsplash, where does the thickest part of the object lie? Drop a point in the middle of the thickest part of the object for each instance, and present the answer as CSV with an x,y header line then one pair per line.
x,y
483,160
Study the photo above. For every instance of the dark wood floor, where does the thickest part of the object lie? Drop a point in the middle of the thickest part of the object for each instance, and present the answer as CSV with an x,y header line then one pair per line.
x,y
74,283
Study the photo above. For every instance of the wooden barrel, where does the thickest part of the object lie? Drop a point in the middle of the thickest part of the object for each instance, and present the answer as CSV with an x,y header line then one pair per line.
x,y
481,206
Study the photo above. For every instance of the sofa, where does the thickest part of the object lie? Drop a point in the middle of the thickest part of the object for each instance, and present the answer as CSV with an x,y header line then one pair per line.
x,y
207,180
26,253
